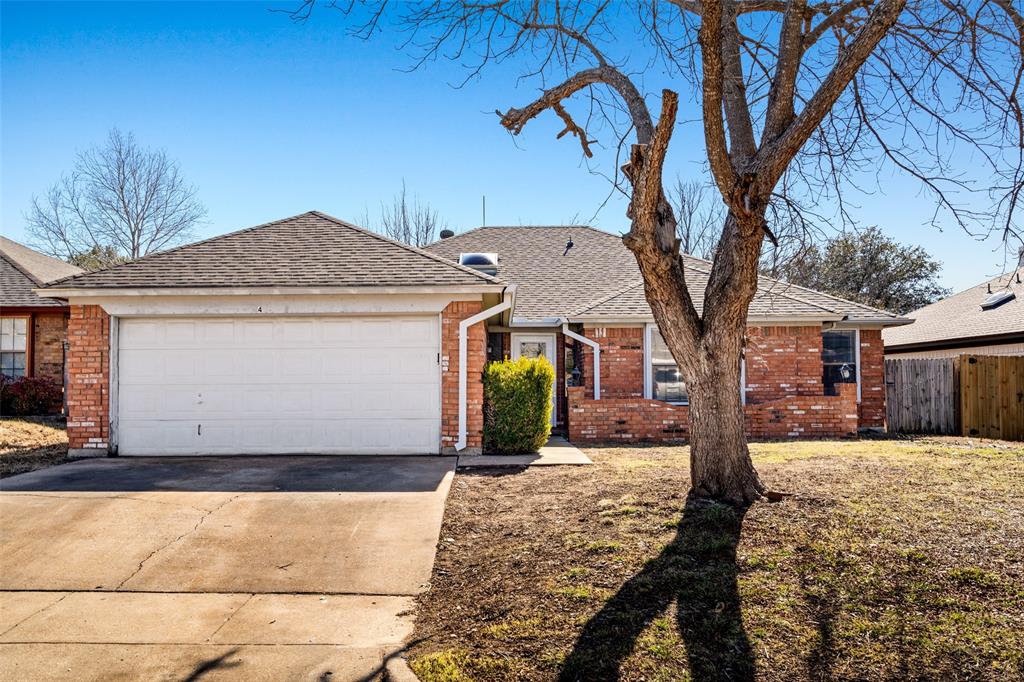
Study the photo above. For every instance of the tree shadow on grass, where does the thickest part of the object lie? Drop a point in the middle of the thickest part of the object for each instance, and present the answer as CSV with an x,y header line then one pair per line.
x,y
697,571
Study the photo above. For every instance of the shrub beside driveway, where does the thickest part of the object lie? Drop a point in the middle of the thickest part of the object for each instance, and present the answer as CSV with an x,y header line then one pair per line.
x,y
893,559
31,443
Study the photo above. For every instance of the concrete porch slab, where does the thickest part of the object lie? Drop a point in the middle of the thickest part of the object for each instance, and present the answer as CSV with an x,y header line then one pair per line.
x,y
557,451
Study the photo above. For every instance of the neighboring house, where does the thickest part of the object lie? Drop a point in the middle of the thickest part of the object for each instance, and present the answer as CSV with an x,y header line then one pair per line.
x,y
987,319
311,335
32,328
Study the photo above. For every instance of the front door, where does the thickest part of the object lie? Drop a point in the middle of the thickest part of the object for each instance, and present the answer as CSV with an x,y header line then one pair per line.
x,y
535,346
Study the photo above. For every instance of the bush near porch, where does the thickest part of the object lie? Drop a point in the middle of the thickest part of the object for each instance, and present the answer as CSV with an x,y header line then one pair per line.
x,y
517,405
894,559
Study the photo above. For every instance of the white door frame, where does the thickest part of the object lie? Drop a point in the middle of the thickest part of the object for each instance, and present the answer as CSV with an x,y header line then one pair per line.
x,y
552,355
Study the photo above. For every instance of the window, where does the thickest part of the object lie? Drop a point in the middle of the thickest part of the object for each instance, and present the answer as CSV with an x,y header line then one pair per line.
x,y
838,359
13,343
666,383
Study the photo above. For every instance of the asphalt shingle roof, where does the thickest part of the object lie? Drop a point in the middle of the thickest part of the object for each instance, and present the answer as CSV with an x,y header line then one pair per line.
x,y
22,270
308,250
599,277
961,316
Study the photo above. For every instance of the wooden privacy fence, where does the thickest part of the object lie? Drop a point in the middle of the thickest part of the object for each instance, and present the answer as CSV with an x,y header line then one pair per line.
x,y
992,396
921,395
972,395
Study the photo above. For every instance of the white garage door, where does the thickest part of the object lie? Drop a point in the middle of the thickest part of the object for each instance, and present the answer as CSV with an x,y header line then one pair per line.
x,y
339,385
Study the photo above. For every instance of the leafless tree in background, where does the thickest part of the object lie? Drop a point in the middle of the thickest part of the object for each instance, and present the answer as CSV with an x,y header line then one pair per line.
x,y
799,103
407,220
119,199
699,215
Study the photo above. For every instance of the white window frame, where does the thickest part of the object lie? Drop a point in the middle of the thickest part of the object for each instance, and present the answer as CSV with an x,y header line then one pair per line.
x,y
856,352
28,343
649,370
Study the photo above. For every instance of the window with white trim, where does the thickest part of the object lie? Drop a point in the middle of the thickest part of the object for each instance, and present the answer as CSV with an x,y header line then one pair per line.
x,y
13,346
662,380
838,359
666,382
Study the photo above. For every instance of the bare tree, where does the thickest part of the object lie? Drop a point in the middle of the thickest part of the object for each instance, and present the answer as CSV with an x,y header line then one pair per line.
x,y
699,217
119,201
408,220
799,102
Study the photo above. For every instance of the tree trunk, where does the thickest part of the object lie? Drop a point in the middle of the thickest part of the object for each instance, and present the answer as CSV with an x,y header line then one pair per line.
x,y
707,346
720,465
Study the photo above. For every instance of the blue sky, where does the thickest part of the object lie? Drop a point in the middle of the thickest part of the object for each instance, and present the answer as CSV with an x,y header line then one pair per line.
x,y
269,119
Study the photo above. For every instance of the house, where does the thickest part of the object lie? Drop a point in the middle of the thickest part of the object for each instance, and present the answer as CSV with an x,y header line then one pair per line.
x,y
309,334
987,319
32,328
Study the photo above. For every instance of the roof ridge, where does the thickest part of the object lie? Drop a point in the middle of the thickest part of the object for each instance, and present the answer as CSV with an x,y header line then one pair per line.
x,y
274,223
407,247
525,227
769,291
20,268
833,297
178,248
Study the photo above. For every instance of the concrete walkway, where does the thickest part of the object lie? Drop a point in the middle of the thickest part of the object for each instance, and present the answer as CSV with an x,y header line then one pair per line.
x,y
557,451
254,568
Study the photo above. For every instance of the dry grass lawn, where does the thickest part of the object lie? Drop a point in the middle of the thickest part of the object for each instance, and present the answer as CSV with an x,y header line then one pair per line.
x,y
894,559
31,443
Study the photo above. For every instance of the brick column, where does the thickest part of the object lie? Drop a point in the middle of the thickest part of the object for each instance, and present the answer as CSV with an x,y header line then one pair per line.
x,y
871,411
476,356
88,388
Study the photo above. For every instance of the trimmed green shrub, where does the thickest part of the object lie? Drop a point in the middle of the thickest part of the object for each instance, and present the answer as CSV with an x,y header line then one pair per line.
x,y
517,405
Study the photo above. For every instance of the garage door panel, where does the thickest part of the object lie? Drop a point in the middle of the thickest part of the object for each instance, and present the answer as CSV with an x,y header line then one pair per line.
x,y
355,436
136,366
279,385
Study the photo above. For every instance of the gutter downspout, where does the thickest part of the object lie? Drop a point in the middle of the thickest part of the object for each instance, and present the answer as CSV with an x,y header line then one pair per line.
x,y
464,326
597,356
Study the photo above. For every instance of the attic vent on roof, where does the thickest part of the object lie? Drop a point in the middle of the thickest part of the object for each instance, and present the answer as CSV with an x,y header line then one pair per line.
x,y
486,263
998,298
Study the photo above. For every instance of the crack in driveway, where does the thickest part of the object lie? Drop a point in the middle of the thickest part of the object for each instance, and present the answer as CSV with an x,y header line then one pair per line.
x,y
194,528
35,613
230,616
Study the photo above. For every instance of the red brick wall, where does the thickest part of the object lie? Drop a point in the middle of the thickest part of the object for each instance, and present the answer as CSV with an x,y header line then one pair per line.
x,y
476,354
49,332
88,389
872,379
622,361
639,420
782,361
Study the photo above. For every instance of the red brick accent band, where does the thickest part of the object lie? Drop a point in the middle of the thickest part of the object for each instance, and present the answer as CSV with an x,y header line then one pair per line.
x,y
88,388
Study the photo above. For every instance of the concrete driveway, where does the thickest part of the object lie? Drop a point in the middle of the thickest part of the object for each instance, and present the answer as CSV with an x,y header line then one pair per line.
x,y
215,568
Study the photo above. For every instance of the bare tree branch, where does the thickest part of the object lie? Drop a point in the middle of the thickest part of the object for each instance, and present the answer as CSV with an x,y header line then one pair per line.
x,y
121,200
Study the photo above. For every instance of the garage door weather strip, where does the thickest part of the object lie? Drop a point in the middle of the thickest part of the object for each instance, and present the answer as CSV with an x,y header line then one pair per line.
x,y
464,326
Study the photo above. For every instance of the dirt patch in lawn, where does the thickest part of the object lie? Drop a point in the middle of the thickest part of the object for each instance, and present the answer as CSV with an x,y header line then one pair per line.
x,y
31,443
894,559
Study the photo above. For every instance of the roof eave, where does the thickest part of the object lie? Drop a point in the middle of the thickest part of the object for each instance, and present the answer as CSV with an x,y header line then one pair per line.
x,y
753,319
92,292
